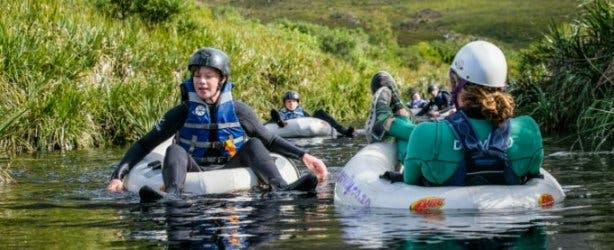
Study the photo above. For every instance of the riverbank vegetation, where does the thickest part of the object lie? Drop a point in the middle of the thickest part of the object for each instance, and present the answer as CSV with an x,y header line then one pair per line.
x,y
566,80
81,74
515,23
5,177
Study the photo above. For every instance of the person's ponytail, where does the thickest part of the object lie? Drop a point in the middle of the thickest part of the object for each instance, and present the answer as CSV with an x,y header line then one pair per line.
x,y
496,105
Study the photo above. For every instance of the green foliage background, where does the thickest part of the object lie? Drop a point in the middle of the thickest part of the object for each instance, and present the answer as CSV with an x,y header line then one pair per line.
x,y
567,79
81,74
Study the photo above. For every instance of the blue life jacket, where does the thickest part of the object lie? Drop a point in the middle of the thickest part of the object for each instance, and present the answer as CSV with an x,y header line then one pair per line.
x,y
197,134
416,103
291,114
483,164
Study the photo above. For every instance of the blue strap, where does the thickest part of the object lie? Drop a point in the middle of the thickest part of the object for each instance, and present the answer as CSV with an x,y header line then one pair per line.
x,y
483,164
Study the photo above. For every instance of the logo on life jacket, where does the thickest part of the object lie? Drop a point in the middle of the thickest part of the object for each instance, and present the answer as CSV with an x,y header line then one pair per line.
x,y
427,204
546,200
200,110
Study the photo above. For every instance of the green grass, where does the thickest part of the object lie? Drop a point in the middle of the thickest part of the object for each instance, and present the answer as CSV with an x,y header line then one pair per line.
x,y
83,74
516,23
74,76
5,177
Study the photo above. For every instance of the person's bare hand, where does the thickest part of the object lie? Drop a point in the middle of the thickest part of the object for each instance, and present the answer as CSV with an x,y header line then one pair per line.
x,y
402,112
316,166
116,185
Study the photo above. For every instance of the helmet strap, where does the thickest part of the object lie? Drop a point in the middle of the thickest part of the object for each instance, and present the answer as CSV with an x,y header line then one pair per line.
x,y
457,85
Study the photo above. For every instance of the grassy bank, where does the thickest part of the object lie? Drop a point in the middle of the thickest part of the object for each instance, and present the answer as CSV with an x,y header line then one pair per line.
x,y
566,81
5,177
82,74
78,74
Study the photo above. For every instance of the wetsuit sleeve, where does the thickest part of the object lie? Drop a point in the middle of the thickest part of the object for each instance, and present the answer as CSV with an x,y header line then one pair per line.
x,y
253,128
425,109
166,127
447,97
446,102
401,127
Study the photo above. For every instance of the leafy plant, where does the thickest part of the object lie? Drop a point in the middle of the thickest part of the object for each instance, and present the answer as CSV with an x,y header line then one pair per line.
x,y
567,80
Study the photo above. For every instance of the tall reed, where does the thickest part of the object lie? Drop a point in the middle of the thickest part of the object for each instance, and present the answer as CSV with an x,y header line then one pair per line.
x,y
5,177
567,79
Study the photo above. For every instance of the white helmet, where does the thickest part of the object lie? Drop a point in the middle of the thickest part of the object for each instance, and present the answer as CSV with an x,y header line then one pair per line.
x,y
482,63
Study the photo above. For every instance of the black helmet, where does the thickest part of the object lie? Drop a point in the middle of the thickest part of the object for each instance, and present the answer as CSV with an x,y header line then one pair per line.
x,y
432,87
291,95
211,57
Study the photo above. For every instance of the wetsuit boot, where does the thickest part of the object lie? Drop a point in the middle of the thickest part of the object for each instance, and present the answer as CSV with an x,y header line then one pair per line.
x,y
148,195
276,117
306,183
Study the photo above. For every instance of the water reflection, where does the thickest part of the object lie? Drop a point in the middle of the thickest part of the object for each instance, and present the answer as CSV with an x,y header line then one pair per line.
x,y
232,221
59,200
387,228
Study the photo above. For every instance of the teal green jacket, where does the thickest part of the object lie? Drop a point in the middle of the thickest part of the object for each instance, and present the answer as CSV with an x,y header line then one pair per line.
x,y
434,153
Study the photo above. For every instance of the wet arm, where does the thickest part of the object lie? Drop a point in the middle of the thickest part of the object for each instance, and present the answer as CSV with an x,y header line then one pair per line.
x,y
164,129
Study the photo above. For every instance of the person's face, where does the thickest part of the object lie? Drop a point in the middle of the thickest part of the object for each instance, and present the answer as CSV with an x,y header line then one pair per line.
x,y
291,104
434,92
206,82
415,96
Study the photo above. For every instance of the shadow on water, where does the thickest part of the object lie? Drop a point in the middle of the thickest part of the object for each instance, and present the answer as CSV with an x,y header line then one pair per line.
x,y
58,200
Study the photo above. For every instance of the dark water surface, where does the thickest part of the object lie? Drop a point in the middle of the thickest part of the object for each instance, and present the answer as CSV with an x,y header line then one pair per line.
x,y
59,201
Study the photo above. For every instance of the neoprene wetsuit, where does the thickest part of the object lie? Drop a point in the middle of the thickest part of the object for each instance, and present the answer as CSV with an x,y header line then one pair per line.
x,y
174,119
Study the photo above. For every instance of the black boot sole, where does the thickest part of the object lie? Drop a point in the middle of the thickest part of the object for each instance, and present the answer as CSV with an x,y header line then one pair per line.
x,y
148,195
306,183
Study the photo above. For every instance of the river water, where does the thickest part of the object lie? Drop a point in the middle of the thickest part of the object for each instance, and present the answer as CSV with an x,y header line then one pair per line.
x,y
58,200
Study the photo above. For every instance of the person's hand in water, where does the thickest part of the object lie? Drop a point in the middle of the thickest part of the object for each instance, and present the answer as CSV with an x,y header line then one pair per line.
x,y
116,185
316,166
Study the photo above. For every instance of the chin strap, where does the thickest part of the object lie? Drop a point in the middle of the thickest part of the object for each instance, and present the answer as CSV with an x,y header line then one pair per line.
x,y
459,83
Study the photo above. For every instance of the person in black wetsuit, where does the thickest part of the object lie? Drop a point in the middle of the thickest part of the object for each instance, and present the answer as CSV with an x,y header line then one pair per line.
x,y
440,99
214,131
292,109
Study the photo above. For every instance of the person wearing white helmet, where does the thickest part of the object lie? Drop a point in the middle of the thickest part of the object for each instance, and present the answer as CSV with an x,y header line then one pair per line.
x,y
481,143
213,131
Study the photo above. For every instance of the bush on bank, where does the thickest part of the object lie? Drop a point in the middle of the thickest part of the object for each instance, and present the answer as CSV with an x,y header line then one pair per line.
x,y
566,80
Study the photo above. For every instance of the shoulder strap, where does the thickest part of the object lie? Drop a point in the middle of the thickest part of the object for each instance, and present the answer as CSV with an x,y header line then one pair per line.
x,y
463,131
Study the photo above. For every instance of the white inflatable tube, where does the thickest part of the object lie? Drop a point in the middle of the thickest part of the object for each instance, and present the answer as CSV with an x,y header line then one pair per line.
x,y
207,182
358,184
302,127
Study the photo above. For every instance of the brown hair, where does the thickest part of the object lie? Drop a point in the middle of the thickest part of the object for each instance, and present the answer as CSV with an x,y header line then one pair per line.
x,y
496,105
194,68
